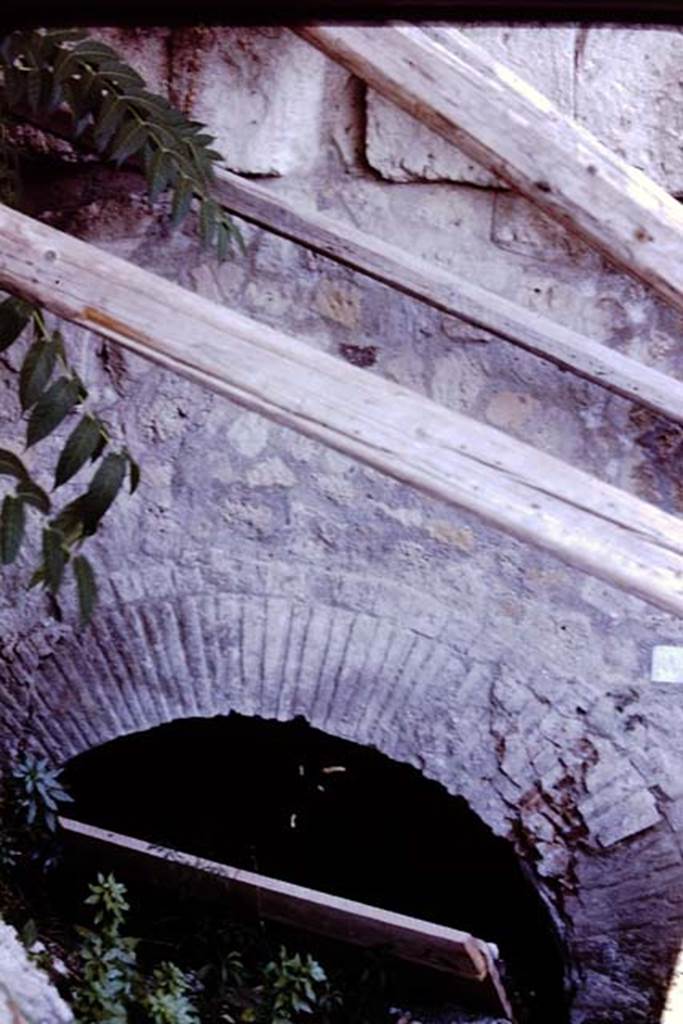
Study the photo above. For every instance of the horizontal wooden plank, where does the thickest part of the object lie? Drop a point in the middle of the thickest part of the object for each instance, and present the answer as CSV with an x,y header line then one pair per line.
x,y
443,290
534,496
408,938
454,87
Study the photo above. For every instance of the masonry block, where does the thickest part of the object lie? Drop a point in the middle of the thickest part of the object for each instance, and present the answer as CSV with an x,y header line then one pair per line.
x,y
402,149
259,90
629,93
623,84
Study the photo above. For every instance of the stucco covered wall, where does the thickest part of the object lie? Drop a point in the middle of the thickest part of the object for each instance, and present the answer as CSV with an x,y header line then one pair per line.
x,y
259,571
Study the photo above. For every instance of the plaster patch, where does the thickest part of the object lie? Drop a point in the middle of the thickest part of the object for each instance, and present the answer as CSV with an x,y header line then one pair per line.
x,y
667,664
249,434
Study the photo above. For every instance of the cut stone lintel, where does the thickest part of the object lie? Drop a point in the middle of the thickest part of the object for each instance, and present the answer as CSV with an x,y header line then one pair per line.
x,y
535,497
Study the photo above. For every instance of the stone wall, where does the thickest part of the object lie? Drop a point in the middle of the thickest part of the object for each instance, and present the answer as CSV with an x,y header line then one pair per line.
x,y
26,994
261,572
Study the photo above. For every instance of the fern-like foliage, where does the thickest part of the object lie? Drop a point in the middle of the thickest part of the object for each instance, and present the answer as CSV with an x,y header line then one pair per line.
x,y
43,70
50,391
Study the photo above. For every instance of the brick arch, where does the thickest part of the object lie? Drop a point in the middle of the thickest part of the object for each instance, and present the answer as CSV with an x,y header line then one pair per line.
x,y
379,664
382,666
349,672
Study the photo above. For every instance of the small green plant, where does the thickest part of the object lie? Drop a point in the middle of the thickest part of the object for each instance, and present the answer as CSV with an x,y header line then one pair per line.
x,y
31,793
107,958
294,985
168,1000
38,792
111,987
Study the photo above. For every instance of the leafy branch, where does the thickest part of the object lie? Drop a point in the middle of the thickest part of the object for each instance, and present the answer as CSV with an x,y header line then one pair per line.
x,y
46,403
44,70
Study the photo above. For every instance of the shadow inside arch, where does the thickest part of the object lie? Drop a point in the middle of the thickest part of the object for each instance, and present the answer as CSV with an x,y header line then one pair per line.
x,y
292,802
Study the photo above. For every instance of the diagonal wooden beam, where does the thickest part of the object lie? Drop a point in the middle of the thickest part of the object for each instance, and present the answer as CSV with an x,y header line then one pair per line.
x,y
456,89
449,293
532,495
441,948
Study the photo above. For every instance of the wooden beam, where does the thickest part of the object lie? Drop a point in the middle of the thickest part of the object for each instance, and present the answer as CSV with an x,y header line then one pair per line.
x,y
431,945
534,496
445,291
454,87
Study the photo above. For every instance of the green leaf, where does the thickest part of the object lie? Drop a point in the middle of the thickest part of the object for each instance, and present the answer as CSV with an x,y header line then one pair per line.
x,y
159,174
223,241
103,489
55,607
182,200
55,557
130,137
69,522
80,446
64,35
29,933
134,473
52,407
64,65
86,586
207,221
113,110
11,465
33,88
101,445
36,371
12,520
34,495
14,315
37,577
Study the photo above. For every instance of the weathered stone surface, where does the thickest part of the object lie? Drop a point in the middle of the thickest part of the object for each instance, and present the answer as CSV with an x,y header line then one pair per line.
x,y
629,93
258,570
147,51
621,83
402,149
26,995
260,90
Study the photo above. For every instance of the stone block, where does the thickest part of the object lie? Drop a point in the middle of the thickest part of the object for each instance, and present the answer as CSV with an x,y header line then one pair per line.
x,y
259,90
146,50
401,149
623,84
26,993
629,93
625,816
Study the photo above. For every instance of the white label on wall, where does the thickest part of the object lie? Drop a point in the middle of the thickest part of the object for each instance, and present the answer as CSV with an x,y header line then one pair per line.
x,y
667,664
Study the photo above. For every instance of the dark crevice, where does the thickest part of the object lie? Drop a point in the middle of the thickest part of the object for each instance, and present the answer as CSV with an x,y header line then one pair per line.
x,y
294,803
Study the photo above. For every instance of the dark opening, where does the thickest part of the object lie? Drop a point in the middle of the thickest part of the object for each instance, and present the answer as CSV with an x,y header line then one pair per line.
x,y
294,803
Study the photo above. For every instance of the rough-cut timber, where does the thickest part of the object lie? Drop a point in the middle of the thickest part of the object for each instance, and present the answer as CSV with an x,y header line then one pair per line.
x,y
444,291
534,496
408,938
484,108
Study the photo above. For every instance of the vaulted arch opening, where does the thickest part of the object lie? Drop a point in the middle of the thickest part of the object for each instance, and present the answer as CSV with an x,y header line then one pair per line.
x,y
295,803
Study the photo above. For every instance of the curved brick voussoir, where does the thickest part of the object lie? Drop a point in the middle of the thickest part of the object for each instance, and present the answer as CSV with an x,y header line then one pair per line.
x,y
374,663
